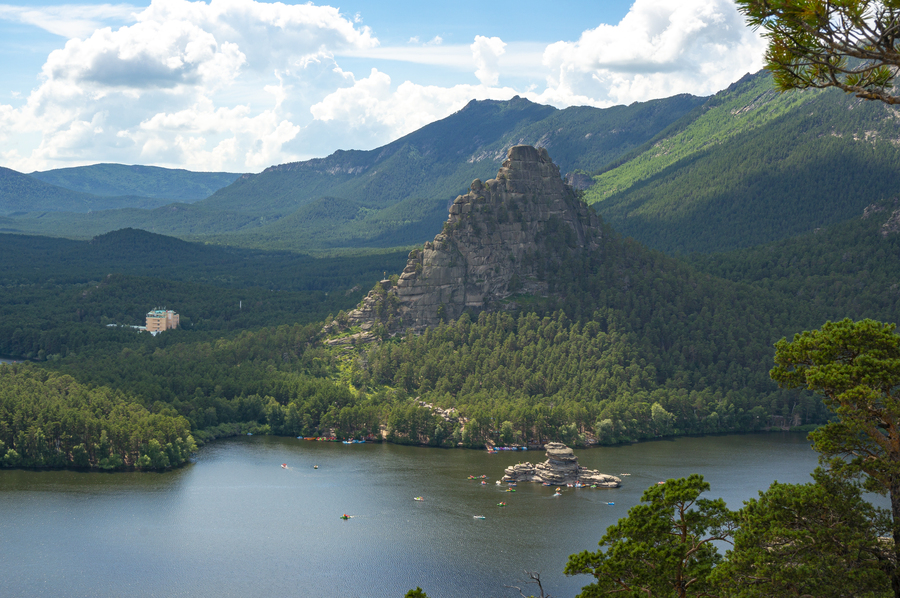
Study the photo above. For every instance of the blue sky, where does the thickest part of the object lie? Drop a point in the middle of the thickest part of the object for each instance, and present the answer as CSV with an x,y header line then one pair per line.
x,y
240,85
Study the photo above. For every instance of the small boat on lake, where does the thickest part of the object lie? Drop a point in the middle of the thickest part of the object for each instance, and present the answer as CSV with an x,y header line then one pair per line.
x,y
501,504
284,466
478,516
557,494
419,498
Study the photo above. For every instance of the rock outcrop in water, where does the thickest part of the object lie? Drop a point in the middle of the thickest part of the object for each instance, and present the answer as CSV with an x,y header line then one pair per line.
x,y
561,467
496,242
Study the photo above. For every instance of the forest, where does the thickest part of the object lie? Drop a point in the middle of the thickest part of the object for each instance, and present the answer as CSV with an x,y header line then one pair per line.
x,y
630,345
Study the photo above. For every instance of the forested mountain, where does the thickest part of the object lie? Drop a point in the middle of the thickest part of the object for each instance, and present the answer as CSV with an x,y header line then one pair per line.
x,y
753,166
396,195
171,184
440,160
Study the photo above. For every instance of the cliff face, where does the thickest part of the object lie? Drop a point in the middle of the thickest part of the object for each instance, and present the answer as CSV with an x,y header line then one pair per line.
x,y
495,242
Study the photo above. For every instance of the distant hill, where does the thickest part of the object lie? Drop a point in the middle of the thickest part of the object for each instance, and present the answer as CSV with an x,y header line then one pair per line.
x,y
26,260
22,193
140,181
753,166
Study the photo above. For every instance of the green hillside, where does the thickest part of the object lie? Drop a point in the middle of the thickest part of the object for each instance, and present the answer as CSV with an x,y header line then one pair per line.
x,y
848,269
753,166
140,181
392,196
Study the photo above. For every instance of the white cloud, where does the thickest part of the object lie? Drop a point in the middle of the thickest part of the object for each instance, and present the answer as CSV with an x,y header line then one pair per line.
x,y
372,108
660,48
193,84
70,20
243,84
487,52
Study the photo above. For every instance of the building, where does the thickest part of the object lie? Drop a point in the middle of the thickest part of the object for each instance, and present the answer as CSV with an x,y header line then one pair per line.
x,y
161,319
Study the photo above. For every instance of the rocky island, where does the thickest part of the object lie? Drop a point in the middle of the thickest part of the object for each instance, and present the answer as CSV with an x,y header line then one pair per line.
x,y
561,467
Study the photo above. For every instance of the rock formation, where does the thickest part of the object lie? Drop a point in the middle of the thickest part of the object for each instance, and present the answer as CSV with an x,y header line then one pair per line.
x,y
561,467
496,240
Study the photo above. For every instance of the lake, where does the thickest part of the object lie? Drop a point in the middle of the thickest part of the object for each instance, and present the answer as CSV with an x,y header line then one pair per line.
x,y
235,523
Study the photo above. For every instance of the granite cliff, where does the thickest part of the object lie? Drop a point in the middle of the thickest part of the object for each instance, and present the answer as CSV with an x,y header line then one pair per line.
x,y
498,240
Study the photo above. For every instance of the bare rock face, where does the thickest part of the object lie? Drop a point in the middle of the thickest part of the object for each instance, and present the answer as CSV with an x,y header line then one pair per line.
x,y
491,246
561,467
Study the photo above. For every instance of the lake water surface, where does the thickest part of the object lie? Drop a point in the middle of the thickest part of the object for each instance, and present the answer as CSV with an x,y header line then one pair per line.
x,y
235,523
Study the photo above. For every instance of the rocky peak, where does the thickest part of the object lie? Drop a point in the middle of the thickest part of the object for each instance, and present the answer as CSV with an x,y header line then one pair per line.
x,y
492,244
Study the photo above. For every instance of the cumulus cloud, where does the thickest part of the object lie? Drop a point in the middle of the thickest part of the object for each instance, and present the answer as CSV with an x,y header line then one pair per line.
x,y
487,52
370,105
195,84
243,84
660,48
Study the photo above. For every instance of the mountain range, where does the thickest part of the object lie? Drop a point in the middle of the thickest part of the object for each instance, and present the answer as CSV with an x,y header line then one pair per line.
x,y
744,167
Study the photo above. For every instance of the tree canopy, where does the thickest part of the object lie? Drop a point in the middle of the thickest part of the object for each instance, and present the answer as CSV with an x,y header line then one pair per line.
x,y
664,547
855,366
847,44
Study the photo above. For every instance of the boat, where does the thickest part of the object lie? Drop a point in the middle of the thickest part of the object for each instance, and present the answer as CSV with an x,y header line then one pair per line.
x,y
579,485
345,516
510,490
501,504
478,516
512,483
483,483
497,482
557,494
471,477
610,503
315,467
419,498
570,485
483,477
284,466
546,484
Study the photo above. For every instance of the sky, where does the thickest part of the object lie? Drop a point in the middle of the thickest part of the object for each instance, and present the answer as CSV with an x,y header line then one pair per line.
x,y
240,85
